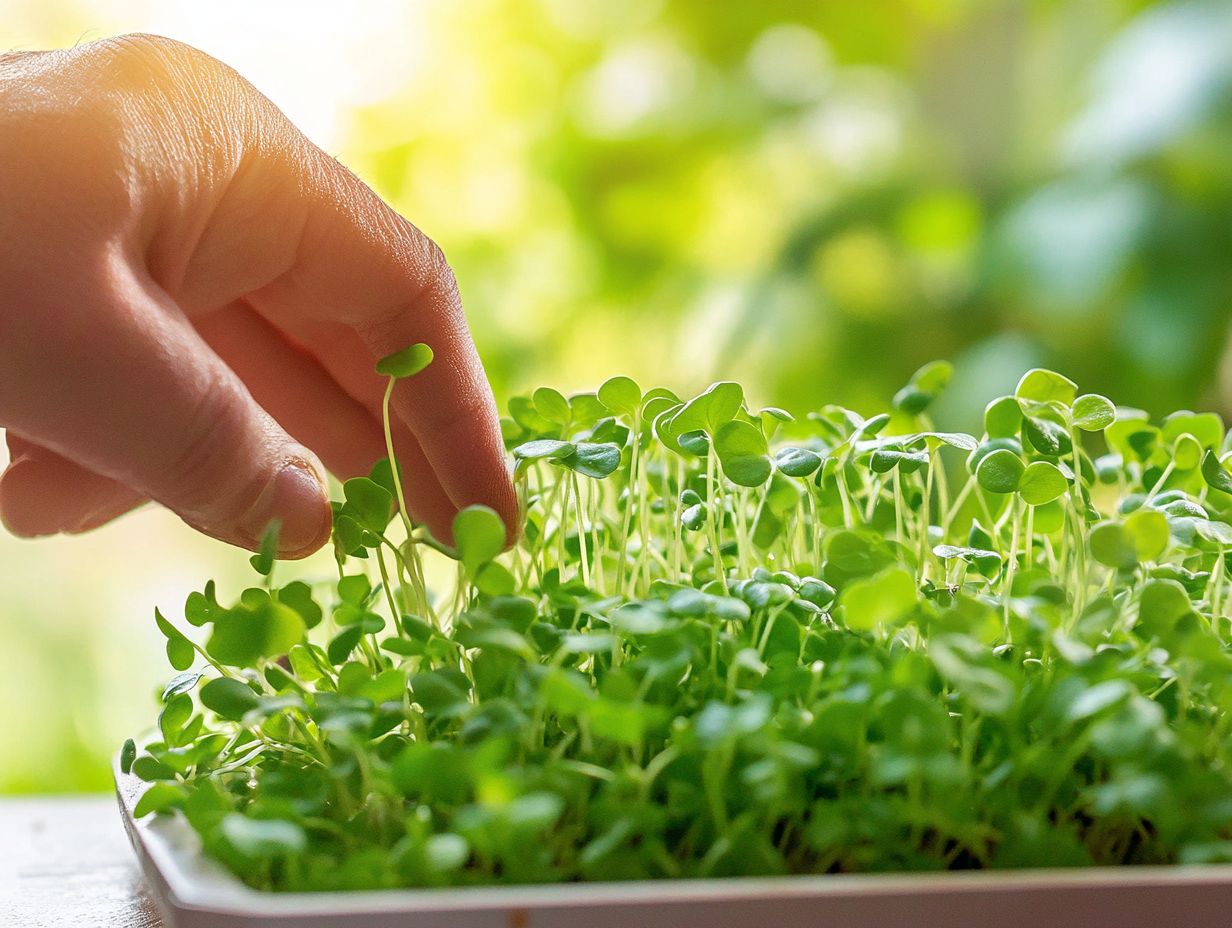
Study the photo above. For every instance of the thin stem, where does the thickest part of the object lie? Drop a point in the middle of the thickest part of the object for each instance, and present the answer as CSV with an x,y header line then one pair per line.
x,y
926,517
712,501
1159,484
627,524
403,510
959,501
1011,564
385,585
581,528
1080,542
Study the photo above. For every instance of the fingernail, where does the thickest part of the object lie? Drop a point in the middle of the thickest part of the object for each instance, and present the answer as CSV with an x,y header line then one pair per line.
x,y
297,498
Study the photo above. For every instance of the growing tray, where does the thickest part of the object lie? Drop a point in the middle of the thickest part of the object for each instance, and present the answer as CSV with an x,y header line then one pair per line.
x,y
194,892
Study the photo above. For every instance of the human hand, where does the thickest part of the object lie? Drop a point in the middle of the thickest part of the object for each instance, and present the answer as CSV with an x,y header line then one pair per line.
x,y
192,300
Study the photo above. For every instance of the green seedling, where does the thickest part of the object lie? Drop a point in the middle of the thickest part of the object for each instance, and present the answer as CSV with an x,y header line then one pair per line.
x,y
730,641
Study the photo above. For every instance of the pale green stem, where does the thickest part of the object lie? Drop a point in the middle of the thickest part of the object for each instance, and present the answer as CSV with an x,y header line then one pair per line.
x,y
713,503
403,511
1080,541
581,528
926,517
627,525
1159,484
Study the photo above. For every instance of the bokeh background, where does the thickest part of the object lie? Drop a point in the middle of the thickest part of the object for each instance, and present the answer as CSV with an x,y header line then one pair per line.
x,y
812,197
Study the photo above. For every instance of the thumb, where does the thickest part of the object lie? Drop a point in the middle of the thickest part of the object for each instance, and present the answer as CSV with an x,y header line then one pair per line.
x,y
142,399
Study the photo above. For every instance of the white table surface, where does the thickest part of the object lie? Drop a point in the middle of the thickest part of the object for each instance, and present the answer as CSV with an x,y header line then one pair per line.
x,y
65,863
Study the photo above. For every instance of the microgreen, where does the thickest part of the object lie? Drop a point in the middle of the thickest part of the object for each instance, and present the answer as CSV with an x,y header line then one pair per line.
x,y
731,641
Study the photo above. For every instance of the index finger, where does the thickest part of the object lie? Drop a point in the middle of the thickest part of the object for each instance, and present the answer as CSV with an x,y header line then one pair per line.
x,y
358,262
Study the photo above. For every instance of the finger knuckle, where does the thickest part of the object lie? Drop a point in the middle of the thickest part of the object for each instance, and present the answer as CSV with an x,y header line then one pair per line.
x,y
144,57
439,272
172,81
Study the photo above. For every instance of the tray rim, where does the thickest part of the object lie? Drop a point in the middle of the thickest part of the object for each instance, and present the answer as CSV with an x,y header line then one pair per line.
x,y
187,881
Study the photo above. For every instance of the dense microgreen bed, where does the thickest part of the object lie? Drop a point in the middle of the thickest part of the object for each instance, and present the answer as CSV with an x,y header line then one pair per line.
x,y
729,642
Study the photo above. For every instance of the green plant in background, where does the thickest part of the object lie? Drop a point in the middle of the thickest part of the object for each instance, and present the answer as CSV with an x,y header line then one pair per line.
x,y
820,186
730,641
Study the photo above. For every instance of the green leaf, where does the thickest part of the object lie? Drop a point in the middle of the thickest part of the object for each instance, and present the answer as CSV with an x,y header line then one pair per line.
x,y
441,691
1217,533
1093,413
622,722
1113,547
201,608
694,517
711,410
173,717
180,652
594,460
1162,604
1132,436
797,462
959,440
1149,533
987,563
263,839
1214,474
552,405
405,363
298,595
655,405
1187,453
1046,437
925,386
263,561
543,449
354,589
1003,417
621,395
349,535
494,579
1041,483
585,409
387,686
149,768
1044,386
817,592
883,599
180,683
933,377
775,414
342,644
1000,472
743,453
243,635
884,460
229,699
856,553
1206,427
369,503
161,797
696,443
479,536
382,474
128,754
307,662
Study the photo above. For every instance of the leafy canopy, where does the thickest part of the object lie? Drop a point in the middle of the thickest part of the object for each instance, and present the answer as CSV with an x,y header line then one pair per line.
x,y
731,641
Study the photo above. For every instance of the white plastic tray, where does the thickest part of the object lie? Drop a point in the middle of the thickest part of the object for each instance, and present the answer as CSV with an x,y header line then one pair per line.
x,y
193,892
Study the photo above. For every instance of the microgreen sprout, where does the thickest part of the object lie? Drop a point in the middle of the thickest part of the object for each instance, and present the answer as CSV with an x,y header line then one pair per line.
x,y
730,641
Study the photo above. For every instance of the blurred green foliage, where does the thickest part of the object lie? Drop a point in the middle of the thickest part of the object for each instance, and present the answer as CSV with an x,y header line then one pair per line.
x,y
812,198
818,197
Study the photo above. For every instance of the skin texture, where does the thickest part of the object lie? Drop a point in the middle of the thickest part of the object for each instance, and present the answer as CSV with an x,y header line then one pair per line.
x,y
192,300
